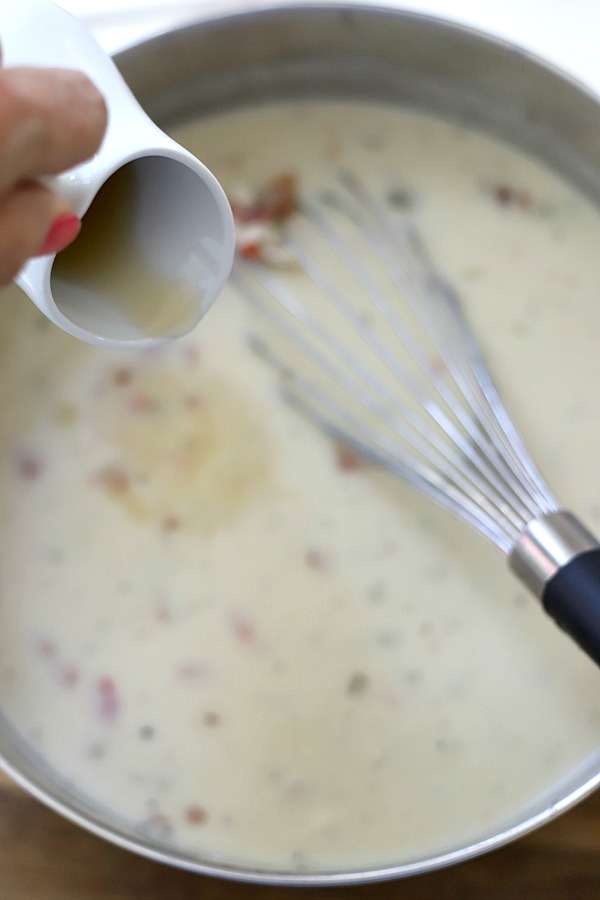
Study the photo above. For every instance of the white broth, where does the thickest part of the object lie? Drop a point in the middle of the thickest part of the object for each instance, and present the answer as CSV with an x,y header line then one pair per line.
x,y
218,625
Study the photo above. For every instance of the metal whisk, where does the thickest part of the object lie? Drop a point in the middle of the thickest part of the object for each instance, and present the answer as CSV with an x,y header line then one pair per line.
x,y
372,343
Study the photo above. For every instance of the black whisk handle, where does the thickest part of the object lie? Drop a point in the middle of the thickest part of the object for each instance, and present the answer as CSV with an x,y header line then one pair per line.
x,y
572,598
559,560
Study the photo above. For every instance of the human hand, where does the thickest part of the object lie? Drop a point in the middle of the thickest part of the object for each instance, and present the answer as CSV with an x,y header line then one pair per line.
x,y
50,120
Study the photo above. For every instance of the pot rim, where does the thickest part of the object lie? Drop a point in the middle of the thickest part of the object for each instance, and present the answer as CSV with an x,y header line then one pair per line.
x,y
36,778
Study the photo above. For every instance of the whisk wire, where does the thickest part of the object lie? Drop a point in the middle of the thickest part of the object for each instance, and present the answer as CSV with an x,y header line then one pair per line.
x,y
433,301
339,423
439,421
474,444
480,393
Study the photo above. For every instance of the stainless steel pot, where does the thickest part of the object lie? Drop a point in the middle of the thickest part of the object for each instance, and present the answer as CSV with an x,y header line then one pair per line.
x,y
350,51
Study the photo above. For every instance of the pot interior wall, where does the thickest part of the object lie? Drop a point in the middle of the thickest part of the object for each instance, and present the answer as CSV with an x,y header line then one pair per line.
x,y
371,54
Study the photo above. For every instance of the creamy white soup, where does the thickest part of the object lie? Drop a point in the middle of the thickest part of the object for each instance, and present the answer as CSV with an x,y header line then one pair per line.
x,y
219,624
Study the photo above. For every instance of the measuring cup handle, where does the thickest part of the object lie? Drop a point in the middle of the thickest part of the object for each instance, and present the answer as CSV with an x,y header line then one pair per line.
x,y
195,250
39,33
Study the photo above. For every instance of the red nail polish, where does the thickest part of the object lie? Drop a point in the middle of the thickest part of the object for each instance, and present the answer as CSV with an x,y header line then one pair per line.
x,y
62,232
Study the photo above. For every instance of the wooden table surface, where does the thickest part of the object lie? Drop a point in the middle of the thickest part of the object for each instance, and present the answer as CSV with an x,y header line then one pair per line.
x,y
44,857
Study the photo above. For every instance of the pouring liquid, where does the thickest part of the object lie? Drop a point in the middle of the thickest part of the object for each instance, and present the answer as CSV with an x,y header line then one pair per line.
x,y
105,272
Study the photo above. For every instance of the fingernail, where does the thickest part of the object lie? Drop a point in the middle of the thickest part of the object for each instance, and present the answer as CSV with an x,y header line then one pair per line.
x,y
62,232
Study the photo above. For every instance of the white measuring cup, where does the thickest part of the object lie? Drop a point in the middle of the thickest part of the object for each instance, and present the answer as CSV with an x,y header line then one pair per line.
x,y
157,238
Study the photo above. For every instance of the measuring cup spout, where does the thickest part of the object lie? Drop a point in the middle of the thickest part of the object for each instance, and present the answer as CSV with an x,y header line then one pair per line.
x,y
157,238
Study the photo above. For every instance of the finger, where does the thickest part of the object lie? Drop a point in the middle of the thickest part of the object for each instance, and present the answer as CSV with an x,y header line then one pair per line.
x,y
27,215
50,120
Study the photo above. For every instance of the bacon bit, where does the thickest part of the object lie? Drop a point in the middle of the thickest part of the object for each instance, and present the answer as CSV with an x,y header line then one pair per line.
x,y
122,377
195,815
262,241
347,460
46,648
29,466
107,701
250,250
274,203
114,479
193,401
507,196
171,523
316,559
503,194
69,676
212,719
278,200
258,219
243,629
191,670
64,673
191,354
140,403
